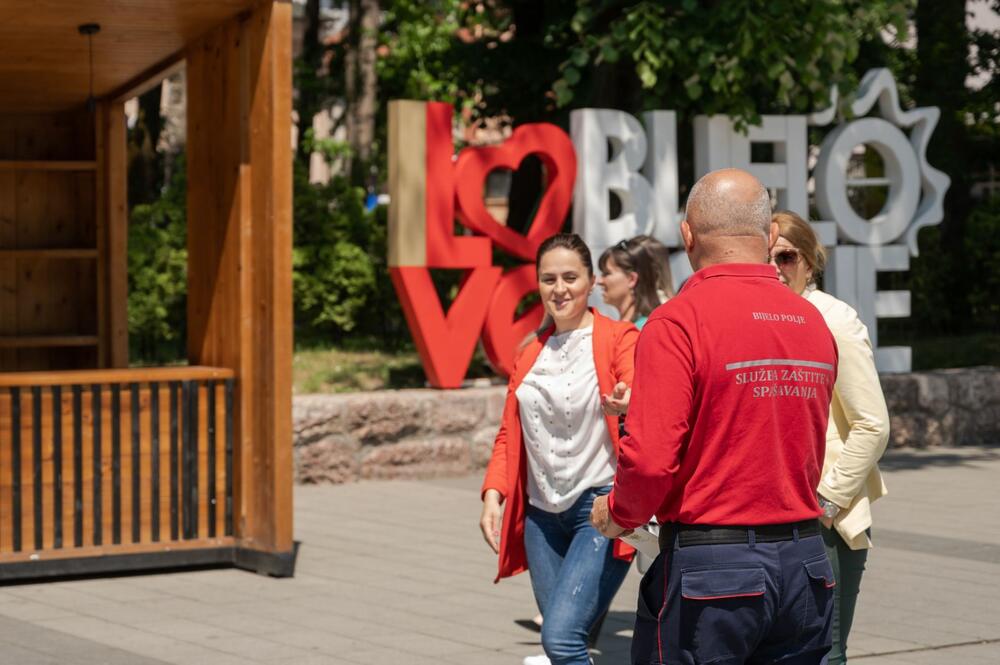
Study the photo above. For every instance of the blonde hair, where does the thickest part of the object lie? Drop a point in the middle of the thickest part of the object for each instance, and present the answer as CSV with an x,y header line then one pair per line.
x,y
798,232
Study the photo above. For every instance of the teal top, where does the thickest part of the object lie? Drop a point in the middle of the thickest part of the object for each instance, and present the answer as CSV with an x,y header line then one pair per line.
x,y
640,322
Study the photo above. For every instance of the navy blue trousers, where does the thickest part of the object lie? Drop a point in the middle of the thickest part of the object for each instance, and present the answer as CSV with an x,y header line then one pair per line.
x,y
749,603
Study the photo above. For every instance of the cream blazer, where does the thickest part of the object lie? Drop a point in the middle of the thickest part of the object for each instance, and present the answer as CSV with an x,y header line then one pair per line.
x,y
858,430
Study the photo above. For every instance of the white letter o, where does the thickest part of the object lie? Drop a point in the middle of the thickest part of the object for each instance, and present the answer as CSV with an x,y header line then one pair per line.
x,y
901,170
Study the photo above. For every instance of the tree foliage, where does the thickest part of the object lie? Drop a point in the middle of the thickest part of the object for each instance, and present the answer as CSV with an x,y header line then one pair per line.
x,y
520,61
334,276
738,58
946,277
157,274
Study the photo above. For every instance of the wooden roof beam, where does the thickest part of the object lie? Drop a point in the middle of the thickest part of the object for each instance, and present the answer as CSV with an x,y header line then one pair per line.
x,y
149,78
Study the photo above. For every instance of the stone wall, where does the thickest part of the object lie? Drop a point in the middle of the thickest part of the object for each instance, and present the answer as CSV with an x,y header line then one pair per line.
x,y
394,434
422,433
946,407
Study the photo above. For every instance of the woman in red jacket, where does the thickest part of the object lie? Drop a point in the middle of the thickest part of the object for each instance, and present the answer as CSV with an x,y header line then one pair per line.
x,y
556,451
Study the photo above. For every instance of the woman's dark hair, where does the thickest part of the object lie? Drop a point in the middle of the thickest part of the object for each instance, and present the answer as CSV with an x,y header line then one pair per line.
x,y
570,241
658,254
649,259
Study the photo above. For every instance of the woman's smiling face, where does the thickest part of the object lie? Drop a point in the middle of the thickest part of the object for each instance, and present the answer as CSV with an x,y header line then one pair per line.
x,y
564,284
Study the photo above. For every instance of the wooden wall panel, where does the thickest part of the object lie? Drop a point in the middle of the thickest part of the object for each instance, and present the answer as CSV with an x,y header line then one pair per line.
x,y
47,136
47,204
239,248
215,218
8,271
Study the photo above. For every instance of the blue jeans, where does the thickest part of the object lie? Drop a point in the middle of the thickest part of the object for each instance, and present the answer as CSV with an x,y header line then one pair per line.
x,y
736,604
573,574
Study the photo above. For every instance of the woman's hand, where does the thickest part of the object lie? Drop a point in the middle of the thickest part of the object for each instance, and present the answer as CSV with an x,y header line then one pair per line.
x,y
616,404
491,518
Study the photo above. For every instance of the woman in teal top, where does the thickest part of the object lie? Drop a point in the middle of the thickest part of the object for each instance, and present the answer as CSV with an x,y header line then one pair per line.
x,y
635,277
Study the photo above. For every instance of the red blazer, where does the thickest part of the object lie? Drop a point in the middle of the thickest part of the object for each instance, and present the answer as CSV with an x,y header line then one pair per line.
x,y
507,472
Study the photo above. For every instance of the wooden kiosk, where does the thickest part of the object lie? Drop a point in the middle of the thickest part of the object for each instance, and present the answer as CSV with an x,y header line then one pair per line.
x,y
104,468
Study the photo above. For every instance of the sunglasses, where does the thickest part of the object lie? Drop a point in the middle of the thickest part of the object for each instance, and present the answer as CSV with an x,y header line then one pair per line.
x,y
786,257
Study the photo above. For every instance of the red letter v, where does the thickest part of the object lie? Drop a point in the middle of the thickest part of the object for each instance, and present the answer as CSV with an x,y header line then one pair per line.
x,y
445,343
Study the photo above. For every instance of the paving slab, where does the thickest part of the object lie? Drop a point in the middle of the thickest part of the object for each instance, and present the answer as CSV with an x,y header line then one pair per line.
x,y
396,571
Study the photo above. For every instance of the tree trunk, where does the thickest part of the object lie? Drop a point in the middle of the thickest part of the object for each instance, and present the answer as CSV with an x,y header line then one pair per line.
x,y
362,86
144,173
942,57
311,59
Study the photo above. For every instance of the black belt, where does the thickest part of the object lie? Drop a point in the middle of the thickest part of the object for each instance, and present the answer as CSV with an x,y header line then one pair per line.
x,y
704,534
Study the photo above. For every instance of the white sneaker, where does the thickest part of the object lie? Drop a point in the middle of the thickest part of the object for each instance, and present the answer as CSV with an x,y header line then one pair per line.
x,y
540,659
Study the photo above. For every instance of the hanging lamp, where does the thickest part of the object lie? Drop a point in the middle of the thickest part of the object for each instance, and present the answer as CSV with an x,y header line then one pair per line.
x,y
90,29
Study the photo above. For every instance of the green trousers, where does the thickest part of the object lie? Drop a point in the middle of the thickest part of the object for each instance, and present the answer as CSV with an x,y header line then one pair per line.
x,y
848,566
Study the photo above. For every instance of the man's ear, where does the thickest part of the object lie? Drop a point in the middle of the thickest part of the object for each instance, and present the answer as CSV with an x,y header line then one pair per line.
x,y
688,237
772,237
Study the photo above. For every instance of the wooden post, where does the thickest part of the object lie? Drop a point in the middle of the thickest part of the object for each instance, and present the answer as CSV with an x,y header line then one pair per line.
x,y
239,257
112,232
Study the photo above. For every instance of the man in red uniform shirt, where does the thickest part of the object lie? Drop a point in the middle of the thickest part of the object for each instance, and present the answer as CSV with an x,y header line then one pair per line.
x,y
726,435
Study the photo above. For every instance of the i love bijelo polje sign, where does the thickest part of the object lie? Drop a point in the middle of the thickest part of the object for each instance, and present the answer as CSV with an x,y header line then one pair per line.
x,y
430,188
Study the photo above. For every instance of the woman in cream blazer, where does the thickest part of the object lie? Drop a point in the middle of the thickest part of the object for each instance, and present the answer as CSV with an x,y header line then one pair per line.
x,y
858,430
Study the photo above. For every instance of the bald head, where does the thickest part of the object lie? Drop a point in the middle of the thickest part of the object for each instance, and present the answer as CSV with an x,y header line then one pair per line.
x,y
729,202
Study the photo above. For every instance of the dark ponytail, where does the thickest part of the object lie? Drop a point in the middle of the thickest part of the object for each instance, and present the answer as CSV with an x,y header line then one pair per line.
x,y
649,259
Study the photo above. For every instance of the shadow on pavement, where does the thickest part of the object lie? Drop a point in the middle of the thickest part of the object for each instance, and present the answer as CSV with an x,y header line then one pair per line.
x,y
912,459
615,648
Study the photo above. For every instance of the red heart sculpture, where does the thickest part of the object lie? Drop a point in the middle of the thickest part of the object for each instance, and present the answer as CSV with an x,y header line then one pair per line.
x,y
502,334
555,149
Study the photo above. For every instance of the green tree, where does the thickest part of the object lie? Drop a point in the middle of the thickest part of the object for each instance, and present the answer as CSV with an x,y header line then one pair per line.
x,y
157,274
527,61
334,275
739,57
948,279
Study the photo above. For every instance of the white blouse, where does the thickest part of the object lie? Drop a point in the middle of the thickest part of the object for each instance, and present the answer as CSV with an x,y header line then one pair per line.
x,y
565,434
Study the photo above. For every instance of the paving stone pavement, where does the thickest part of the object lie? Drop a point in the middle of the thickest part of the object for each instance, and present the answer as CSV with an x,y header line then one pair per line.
x,y
396,572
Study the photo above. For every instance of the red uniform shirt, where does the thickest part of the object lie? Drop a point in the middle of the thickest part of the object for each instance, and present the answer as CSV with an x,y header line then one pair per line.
x,y
727,420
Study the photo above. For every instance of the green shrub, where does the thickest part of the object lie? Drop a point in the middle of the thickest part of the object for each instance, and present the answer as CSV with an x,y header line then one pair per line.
x,y
157,275
982,244
335,271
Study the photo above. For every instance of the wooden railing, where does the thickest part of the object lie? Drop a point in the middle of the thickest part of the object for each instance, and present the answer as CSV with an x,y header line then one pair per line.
x,y
115,461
